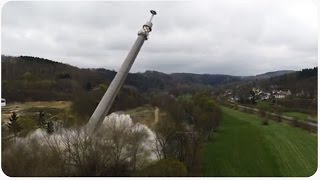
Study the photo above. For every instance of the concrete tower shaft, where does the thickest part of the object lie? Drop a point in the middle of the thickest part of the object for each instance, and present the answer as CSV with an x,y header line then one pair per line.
x,y
107,100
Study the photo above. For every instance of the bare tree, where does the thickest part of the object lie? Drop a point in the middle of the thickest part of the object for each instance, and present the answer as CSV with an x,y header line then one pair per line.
x,y
165,130
135,145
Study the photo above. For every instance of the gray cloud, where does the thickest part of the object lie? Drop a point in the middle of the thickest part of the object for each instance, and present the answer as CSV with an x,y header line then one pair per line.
x,y
218,37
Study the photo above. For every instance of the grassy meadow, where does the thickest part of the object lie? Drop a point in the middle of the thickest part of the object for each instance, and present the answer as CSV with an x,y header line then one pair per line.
x,y
244,147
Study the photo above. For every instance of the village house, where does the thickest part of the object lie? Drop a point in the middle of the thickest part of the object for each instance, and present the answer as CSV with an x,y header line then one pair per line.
x,y
278,94
265,96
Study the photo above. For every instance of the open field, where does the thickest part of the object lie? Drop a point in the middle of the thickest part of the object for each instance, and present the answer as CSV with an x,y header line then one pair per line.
x,y
144,115
33,107
244,147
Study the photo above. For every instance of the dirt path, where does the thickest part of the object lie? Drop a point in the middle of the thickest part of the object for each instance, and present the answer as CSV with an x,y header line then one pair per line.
x,y
156,115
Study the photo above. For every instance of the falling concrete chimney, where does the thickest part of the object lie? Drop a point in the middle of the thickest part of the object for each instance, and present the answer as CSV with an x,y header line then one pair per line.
x,y
107,100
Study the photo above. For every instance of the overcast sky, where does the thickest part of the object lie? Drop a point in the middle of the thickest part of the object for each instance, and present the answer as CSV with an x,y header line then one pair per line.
x,y
233,37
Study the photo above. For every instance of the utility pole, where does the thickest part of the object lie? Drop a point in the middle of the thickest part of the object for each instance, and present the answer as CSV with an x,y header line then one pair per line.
x,y
105,103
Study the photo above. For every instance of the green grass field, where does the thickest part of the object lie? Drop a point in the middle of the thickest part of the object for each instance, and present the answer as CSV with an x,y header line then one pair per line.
x,y
264,104
244,147
299,115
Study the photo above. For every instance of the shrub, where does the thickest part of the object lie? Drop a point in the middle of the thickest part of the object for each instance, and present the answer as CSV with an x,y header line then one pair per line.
x,y
164,168
265,121
295,122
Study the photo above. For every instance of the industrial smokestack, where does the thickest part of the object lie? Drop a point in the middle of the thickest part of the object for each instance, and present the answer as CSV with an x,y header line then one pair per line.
x,y
105,103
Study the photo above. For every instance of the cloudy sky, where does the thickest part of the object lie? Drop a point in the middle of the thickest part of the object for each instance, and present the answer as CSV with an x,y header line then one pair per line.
x,y
233,37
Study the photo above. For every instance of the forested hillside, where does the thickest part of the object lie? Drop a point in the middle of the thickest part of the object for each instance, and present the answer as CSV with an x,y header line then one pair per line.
x,y
292,92
305,80
27,78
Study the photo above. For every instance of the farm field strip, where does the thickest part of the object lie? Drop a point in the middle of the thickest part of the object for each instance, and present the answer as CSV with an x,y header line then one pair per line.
x,y
244,147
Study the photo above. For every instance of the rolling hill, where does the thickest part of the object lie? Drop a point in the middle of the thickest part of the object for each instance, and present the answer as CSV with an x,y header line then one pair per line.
x,y
27,78
31,78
